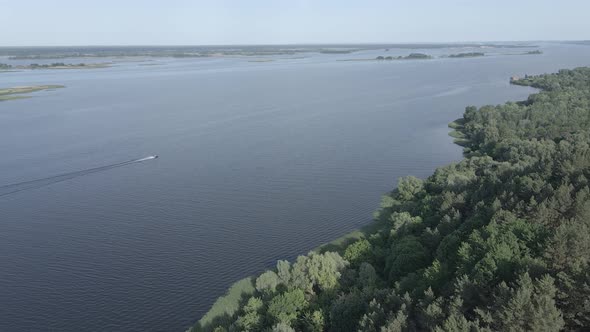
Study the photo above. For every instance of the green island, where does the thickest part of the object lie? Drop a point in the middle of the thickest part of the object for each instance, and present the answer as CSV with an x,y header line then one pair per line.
x,y
498,241
411,56
56,65
20,92
467,55
535,52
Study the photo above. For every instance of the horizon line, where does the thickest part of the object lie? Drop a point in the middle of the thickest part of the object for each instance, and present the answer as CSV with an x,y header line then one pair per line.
x,y
301,44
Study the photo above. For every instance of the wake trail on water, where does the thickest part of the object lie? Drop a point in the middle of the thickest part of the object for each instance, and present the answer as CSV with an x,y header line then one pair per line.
x,y
13,188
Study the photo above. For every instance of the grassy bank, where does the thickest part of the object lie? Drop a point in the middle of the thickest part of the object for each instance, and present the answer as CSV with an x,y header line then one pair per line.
x,y
226,305
20,92
456,133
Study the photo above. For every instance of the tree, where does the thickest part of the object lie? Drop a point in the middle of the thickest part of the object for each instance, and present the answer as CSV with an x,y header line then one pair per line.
x,y
267,282
359,251
367,276
403,223
397,323
528,306
319,270
408,187
347,311
251,319
314,321
284,272
373,318
284,308
282,327
406,255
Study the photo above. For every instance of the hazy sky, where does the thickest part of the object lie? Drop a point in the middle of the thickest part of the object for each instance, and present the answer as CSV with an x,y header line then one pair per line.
x,y
193,22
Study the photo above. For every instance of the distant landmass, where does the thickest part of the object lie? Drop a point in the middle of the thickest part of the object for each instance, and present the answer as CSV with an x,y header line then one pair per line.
x,y
37,53
55,65
467,55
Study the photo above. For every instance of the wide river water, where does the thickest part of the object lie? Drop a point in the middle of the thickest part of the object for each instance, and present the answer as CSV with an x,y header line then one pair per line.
x,y
259,161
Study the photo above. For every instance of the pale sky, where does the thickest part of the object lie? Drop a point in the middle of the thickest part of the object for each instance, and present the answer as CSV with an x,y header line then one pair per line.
x,y
223,22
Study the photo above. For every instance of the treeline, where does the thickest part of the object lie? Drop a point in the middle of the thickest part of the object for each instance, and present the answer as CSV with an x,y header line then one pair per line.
x,y
497,242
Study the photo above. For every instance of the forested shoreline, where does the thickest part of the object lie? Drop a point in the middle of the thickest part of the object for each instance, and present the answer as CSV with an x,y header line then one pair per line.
x,y
497,241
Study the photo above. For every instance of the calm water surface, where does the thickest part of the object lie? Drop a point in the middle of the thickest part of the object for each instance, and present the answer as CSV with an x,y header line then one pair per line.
x,y
258,161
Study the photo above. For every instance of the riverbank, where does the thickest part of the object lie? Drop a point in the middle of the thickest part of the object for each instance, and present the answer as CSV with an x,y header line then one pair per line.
x,y
227,305
424,233
19,92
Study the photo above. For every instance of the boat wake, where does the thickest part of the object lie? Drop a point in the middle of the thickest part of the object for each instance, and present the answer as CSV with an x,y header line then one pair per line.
x,y
13,188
